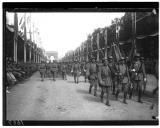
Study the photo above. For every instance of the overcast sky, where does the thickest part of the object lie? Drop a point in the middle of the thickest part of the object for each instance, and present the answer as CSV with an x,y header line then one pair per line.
x,y
62,32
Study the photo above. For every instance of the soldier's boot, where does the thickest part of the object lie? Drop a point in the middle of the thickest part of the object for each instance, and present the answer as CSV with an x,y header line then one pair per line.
x,y
113,92
77,80
74,79
117,93
42,77
90,88
124,100
95,90
102,93
130,95
139,94
107,102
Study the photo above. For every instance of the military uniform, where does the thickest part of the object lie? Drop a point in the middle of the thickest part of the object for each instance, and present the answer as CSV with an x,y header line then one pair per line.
x,y
42,70
114,75
138,76
156,74
76,71
93,77
105,80
48,69
63,70
54,68
123,80
86,70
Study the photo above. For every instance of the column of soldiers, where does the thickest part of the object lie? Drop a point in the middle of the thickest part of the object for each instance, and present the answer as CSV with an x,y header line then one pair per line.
x,y
109,75
117,77
53,69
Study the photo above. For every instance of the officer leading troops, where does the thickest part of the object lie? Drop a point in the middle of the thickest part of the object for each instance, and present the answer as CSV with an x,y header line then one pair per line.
x,y
138,76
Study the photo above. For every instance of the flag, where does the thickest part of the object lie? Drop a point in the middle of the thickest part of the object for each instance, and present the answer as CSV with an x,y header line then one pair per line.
x,y
22,24
116,52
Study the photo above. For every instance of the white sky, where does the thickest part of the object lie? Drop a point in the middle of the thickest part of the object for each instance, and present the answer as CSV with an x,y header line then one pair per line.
x,y
62,32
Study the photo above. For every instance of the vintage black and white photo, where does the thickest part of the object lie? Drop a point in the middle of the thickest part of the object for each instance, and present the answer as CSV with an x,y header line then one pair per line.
x,y
81,66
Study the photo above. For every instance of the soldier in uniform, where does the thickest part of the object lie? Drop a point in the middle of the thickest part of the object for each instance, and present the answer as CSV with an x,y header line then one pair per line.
x,y
123,79
54,68
138,76
105,80
86,70
48,69
42,70
157,77
76,71
64,70
114,74
93,77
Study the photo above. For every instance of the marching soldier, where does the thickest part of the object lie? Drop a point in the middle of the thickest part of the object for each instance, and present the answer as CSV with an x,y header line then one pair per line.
x,y
105,81
76,71
42,70
54,68
86,70
113,68
123,79
63,69
93,78
138,76
47,69
156,74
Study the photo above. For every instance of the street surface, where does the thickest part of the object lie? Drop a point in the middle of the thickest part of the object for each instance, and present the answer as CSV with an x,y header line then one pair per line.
x,y
65,100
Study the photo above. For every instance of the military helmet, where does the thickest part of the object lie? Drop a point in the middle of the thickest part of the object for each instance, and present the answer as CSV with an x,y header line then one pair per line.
x,y
137,55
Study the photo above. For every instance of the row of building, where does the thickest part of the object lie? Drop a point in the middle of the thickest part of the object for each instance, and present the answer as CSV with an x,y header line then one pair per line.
x,y
19,48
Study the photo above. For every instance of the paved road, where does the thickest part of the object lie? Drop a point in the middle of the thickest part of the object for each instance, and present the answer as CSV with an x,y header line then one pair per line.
x,y
65,100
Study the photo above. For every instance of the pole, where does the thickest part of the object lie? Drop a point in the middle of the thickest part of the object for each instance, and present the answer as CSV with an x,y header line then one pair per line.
x,y
87,50
105,43
97,46
25,38
91,41
134,48
15,36
134,31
